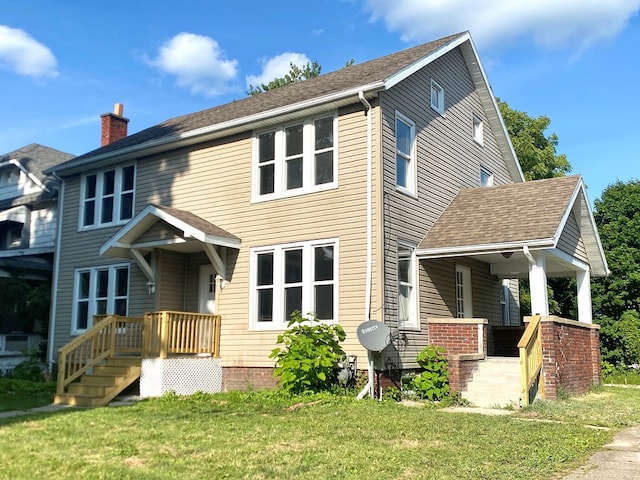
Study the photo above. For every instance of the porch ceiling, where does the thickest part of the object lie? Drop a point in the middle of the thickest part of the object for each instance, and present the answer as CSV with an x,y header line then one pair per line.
x,y
495,224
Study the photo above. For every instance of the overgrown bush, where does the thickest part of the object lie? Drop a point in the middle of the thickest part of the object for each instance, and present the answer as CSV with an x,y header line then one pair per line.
x,y
620,339
308,360
32,369
433,382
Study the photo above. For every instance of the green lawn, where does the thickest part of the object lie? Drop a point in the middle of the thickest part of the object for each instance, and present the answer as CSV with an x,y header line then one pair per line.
x,y
263,436
21,394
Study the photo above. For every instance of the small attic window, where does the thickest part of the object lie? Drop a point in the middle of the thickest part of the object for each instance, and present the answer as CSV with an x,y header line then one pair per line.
x,y
437,97
478,130
486,178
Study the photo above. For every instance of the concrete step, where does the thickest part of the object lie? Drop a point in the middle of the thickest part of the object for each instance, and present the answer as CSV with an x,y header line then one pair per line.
x,y
495,383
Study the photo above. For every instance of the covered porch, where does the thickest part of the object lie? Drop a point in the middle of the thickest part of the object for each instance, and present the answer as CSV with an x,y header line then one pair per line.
x,y
536,231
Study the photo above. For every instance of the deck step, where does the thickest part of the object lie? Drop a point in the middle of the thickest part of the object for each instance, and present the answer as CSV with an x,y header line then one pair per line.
x,y
495,383
103,384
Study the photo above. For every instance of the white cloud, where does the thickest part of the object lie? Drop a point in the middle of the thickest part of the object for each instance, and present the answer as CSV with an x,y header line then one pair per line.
x,y
548,23
276,67
21,53
197,62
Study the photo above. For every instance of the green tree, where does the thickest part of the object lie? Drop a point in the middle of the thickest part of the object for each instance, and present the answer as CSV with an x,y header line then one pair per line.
x,y
296,74
535,150
617,216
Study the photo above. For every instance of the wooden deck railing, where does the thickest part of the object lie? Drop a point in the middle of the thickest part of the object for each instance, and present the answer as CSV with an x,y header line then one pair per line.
x,y
109,335
530,347
169,333
158,334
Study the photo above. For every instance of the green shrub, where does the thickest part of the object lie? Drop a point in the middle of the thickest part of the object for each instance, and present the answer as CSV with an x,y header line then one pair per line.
x,y
32,369
433,382
309,358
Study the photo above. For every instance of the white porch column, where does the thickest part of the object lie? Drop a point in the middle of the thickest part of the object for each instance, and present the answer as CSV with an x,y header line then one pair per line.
x,y
585,311
538,284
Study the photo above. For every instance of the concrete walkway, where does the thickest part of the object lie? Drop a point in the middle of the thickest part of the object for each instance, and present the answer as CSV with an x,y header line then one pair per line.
x,y
619,460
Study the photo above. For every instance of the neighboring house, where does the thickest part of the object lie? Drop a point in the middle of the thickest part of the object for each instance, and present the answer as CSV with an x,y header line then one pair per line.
x,y
387,190
28,218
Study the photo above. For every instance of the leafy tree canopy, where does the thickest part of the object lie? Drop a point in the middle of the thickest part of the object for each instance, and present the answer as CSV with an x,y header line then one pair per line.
x,y
296,74
617,215
535,150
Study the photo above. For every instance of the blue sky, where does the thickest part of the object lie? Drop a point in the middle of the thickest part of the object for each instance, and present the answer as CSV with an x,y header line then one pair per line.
x,y
64,63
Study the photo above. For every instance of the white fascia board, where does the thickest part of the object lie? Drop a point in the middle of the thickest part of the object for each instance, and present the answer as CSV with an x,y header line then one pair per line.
x,y
116,240
586,211
30,176
466,250
210,131
426,60
566,258
567,213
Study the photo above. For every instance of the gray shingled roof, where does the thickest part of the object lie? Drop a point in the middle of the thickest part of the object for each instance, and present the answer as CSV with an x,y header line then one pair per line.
x,y
35,159
197,222
343,80
520,212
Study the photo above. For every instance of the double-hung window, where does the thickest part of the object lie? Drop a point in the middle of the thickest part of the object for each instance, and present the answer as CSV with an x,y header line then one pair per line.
x,y
406,172
286,278
464,307
407,287
100,291
108,196
295,159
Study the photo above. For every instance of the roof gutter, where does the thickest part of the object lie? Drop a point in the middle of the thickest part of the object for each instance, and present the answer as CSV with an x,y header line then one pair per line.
x,y
211,131
460,251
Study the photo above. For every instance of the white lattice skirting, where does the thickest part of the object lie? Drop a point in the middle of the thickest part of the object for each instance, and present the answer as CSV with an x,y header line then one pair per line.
x,y
182,375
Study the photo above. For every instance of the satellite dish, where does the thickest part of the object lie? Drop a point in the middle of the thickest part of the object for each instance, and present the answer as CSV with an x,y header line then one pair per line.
x,y
374,335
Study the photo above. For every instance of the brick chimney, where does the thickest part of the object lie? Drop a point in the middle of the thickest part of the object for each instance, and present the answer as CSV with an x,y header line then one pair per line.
x,y
114,126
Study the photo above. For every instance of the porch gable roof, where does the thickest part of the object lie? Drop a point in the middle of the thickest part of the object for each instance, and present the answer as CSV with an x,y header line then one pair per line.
x,y
190,224
507,218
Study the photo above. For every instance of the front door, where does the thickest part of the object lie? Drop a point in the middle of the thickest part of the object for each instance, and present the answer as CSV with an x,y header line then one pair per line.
x,y
207,296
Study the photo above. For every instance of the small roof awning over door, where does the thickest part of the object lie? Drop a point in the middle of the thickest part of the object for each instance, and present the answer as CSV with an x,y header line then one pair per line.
x,y
495,224
171,229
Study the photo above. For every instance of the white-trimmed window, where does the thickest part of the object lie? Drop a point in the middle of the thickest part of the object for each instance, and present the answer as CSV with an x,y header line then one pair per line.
x,y
406,171
99,291
486,178
296,159
437,97
407,287
108,197
477,129
463,292
299,276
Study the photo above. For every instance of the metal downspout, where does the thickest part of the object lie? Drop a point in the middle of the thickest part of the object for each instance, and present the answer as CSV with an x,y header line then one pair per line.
x,y
56,268
368,388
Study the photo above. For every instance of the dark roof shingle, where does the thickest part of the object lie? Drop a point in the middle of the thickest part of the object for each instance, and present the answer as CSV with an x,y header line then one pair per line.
x,y
503,214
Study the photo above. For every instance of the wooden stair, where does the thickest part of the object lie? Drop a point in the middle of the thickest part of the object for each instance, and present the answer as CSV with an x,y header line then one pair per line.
x,y
103,384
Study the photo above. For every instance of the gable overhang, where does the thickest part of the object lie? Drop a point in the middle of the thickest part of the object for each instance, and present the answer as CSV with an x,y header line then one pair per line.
x,y
29,175
485,93
191,238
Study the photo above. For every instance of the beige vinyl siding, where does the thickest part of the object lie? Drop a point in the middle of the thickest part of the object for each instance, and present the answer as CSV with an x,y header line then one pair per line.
x,y
159,231
571,240
170,280
192,280
448,159
80,249
214,183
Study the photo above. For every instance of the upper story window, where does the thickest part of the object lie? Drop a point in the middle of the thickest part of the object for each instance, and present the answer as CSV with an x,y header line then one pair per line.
x,y
9,176
99,291
285,278
486,178
295,159
10,235
478,129
407,288
107,197
437,97
406,171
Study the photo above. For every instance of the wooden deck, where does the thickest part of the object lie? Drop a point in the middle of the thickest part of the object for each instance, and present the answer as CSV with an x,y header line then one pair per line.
x,y
97,365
